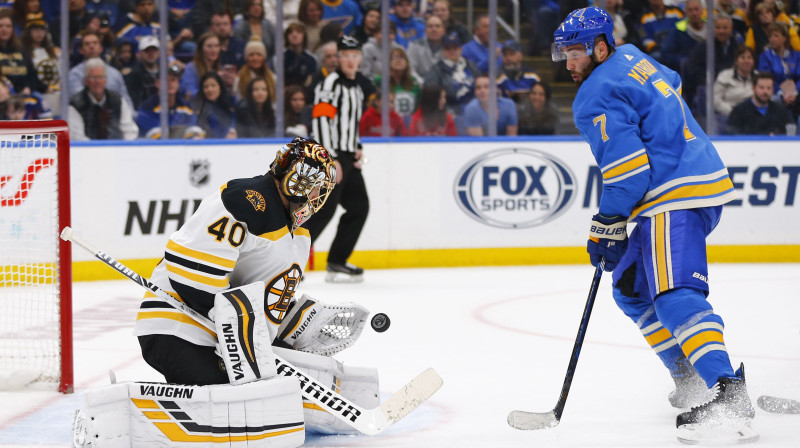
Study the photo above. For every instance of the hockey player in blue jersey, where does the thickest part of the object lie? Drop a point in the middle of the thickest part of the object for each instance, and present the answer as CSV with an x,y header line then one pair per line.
x,y
661,172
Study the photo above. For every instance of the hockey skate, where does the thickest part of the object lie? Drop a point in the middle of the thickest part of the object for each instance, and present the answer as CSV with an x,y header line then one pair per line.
x,y
690,389
724,419
344,273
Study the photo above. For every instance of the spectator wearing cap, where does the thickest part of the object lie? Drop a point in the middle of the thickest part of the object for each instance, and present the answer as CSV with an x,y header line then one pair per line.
x,y
423,53
92,48
477,50
347,13
256,24
13,63
476,113
442,10
516,80
255,67
455,73
182,120
37,45
409,26
25,11
141,81
299,65
139,23
370,25
97,113
372,60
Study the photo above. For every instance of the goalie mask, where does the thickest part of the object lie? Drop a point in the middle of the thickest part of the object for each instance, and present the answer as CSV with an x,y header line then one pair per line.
x,y
306,174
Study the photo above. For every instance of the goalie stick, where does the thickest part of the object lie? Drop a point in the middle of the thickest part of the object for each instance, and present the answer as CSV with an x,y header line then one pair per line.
x,y
367,421
542,420
778,405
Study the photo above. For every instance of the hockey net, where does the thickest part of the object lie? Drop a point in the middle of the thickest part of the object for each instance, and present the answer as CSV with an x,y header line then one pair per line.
x,y
35,265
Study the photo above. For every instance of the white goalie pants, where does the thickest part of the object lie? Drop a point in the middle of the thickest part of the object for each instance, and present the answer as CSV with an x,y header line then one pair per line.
x,y
266,413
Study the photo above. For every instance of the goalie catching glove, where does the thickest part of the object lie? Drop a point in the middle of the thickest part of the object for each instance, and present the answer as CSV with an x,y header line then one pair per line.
x,y
321,329
608,238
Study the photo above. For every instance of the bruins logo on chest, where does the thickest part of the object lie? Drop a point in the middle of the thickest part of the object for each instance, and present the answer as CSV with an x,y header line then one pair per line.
x,y
279,293
257,200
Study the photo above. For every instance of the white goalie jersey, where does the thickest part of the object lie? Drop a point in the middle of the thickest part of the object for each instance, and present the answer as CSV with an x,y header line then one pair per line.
x,y
236,237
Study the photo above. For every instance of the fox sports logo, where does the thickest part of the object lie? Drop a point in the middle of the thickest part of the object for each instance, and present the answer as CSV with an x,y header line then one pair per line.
x,y
514,188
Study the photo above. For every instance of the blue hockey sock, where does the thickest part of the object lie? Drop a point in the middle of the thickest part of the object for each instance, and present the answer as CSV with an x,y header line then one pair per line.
x,y
690,318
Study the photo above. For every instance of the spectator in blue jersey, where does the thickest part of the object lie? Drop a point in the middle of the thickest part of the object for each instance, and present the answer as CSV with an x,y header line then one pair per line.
x,y
516,80
182,121
13,63
299,65
214,107
760,114
783,62
97,113
477,50
684,37
344,12
423,53
139,23
476,113
409,26
92,48
455,73
657,23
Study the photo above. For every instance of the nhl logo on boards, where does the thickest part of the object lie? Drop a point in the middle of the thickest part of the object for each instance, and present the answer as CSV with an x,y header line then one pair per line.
x,y
199,172
514,188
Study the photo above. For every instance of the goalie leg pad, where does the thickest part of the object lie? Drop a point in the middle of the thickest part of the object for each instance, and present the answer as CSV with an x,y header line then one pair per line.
x,y
358,384
243,333
260,414
320,328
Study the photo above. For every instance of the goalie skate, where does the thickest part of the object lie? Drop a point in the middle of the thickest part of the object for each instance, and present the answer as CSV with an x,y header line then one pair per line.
x,y
344,273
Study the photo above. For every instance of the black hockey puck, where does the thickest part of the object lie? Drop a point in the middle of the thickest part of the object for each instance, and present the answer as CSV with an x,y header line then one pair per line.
x,y
380,322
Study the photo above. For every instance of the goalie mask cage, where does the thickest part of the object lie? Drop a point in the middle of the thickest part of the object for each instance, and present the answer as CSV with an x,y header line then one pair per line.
x,y
35,264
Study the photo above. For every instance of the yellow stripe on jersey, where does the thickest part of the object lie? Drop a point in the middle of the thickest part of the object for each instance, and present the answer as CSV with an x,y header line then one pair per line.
x,y
216,282
658,337
630,166
700,339
688,192
213,259
662,262
275,235
302,231
178,317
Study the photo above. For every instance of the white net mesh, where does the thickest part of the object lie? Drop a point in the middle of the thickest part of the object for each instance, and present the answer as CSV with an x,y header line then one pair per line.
x,y
30,344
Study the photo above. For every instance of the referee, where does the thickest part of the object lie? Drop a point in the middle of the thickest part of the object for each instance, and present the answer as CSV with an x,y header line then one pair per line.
x,y
338,104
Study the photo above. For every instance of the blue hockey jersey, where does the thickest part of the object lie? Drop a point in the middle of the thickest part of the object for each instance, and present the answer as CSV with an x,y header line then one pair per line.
x,y
653,155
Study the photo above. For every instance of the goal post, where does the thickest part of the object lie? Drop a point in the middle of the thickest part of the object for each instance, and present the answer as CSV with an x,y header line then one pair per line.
x,y
35,264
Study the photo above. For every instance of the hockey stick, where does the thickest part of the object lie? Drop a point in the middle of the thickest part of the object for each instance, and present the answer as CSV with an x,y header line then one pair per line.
x,y
541,420
367,421
778,405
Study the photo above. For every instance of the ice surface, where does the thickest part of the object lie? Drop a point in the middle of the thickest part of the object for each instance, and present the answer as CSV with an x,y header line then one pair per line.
x,y
500,337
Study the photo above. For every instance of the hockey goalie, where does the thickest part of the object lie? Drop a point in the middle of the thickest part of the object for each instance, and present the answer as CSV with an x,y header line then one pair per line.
x,y
237,261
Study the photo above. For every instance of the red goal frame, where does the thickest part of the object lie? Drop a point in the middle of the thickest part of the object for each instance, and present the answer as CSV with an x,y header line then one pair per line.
x,y
61,130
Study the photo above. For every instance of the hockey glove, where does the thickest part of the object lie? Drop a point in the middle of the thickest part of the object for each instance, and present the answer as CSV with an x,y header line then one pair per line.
x,y
608,238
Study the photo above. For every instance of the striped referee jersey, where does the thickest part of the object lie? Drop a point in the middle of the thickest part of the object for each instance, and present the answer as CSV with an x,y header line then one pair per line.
x,y
338,105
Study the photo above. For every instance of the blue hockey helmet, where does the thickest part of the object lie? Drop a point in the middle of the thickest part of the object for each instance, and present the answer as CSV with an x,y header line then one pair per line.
x,y
581,27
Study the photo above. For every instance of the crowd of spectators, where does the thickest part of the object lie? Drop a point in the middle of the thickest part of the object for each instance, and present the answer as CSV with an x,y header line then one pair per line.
x,y
222,78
